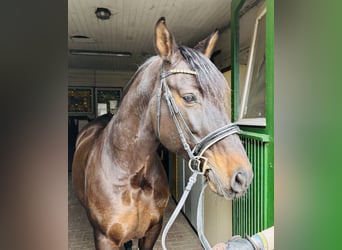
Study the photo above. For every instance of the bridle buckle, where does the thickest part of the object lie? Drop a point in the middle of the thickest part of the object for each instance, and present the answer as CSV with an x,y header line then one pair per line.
x,y
196,162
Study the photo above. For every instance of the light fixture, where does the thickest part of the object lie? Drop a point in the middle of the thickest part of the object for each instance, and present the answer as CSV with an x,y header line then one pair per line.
x,y
82,39
103,13
99,53
79,37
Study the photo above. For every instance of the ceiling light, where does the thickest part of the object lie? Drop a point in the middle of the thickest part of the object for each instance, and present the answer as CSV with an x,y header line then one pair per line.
x,y
99,53
79,37
103,13
82,39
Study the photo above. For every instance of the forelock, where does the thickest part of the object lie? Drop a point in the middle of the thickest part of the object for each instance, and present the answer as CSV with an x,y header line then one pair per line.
x,y
212,82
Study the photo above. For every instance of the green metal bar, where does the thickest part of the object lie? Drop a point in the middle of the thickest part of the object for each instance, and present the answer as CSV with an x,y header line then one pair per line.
x,y
256,195
256,136
252,197
234,24
266,186
262,188
247,203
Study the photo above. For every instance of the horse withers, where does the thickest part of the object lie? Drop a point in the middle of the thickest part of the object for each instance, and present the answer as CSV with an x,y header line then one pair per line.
x,y
176,98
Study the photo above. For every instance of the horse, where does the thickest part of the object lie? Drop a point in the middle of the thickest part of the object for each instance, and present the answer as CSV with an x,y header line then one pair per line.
x,y
177,98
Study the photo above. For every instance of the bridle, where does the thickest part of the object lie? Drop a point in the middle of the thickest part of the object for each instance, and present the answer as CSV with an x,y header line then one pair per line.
x,y
195,154
196,158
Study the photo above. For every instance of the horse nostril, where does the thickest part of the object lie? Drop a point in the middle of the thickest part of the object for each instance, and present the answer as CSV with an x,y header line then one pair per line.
x,y
239,181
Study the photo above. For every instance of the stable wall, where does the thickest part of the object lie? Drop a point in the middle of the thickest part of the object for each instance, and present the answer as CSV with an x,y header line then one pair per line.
x,y
98,78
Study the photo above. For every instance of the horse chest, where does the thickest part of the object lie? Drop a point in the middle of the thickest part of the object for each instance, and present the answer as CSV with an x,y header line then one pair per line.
x,y
138,213
143,205
134,207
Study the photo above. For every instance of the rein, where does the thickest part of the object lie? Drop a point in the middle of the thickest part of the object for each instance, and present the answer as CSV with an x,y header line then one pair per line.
x,y
196,158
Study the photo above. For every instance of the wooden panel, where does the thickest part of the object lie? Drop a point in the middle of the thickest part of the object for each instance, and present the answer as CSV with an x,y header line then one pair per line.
x,y
131,27
98,78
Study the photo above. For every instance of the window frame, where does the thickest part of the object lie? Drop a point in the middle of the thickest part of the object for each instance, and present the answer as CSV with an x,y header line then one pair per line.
x,y
260,121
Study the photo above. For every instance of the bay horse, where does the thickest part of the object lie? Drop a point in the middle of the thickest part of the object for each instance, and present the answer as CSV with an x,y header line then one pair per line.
x,y
177,98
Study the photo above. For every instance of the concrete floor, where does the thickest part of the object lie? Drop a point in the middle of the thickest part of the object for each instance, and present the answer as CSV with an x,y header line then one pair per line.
x,y
181,235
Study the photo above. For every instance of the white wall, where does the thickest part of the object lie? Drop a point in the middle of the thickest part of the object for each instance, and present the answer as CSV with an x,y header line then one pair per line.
x,y
217,217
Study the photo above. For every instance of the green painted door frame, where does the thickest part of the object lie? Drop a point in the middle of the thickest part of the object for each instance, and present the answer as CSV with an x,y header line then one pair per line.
x,y
235,47
261,138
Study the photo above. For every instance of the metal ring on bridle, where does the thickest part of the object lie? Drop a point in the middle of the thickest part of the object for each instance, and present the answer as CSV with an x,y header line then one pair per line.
x,y
194,164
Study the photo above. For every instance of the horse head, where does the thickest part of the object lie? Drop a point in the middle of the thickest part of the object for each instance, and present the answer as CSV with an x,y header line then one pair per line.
x,y
191,105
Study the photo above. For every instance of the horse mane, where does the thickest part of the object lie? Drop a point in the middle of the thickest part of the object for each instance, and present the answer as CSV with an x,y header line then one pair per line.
x,y
211,81
140,69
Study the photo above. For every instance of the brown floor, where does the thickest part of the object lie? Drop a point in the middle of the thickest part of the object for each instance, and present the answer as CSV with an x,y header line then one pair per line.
x,y
181,235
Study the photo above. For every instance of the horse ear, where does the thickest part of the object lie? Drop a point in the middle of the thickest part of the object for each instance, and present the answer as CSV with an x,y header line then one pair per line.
x,y
164,42
207,45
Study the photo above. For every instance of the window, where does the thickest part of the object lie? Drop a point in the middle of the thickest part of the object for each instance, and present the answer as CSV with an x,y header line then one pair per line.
x,y
253,104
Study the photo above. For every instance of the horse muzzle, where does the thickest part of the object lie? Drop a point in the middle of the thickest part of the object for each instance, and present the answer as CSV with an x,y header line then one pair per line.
x,y
230,188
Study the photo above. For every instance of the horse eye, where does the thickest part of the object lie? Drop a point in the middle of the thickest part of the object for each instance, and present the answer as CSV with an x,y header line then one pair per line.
x,y
189,98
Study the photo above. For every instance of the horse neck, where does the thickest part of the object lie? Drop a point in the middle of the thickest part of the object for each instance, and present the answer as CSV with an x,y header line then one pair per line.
x,y
131,136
